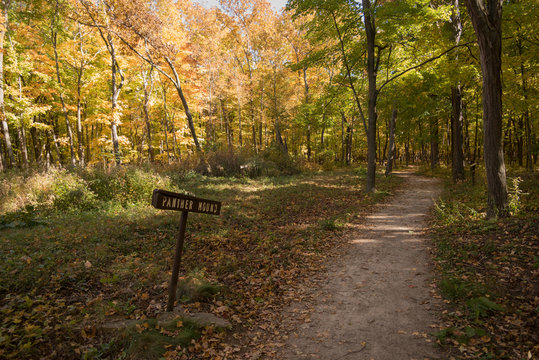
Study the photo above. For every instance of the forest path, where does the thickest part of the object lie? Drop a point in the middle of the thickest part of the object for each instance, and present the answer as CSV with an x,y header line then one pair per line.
x,y
374,301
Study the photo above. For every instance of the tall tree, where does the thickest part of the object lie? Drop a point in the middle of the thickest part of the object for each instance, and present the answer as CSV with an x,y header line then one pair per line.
x,y
456,104
54,39
486,18
5,127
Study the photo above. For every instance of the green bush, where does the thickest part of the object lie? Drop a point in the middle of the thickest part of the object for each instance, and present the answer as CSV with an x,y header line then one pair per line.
x,y
71,192
284,163
327,157
126,185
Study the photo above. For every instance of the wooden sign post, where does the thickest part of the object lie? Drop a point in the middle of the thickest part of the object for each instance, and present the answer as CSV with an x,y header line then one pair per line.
x,y
167,200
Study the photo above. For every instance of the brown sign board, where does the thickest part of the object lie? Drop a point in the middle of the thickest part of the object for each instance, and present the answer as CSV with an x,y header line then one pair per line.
x,y
167,200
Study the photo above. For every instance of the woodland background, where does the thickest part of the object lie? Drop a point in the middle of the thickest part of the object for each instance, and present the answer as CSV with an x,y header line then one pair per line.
x,y
283,116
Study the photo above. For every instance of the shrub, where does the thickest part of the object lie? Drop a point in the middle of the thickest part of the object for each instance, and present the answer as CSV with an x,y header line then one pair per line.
x,y
284,163
221,163
71,192
126,185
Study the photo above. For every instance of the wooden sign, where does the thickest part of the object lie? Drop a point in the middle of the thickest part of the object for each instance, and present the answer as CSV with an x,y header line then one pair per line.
x,y
167,200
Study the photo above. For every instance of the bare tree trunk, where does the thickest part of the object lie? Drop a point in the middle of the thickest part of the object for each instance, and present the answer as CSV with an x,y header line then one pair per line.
x,y
24,150
88,156
261,115
5,127
1,159
177,85
343,120
227,127
391,150
278,137
147,80
434,149
349,143
240,137
407,151
80,72
323,130
165,120
56,148
36,144
456,132
456,102
115,94
54,39
370,31
48,155
487,21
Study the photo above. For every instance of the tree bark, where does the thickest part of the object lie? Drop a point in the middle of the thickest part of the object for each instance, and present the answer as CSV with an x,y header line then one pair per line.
x,y
147,81
240,137
80,71
177,85
24,149
278,137
165,121
456,132
370,30
391,150
343,120
5,127
2,165
487,21
115,94
35,144
228,132
54,39
434,149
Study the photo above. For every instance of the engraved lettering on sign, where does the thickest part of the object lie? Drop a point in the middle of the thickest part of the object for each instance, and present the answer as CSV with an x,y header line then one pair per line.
x,y
167,200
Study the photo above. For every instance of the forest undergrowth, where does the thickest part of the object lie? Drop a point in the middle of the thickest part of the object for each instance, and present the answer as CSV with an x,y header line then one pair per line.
x,y
80,250
487,270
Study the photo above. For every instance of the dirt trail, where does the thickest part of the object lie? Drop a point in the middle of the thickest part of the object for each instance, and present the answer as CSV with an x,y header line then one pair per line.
x,y
374,302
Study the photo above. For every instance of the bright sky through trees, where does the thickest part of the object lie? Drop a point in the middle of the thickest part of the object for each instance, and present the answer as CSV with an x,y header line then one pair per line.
x,y
275,4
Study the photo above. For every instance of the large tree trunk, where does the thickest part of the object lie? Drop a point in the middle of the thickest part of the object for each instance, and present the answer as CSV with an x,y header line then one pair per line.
x,y
177,85
5,127
35,144
306,86
487,22
276,125
228,131
165,121
456,134
261,115
54,38
22,142
240,135
391,151
147,80
370,30
1,159
80,71
456,102
350,137
434,149
115,94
